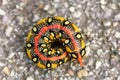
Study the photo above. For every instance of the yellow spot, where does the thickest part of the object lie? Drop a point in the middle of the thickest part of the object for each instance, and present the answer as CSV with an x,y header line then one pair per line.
x,y
74,56
60,62
66,58
54,65
34,59
45,50
78,36
49,52
43,45
67,22
46,40
52,36
83,53
48,65
53,51
34,29
82,43
68,49
40,65
66,41
49,20
29,45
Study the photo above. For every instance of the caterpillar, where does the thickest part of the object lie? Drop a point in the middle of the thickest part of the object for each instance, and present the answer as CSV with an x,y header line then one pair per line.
x,y
53,41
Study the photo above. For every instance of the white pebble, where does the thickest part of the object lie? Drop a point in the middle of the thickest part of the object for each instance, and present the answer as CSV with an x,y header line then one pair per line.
x,y
8,31
103,2
72,9
2,12
4,79
108,23
6,70
30,78
117,17
98,64
82,73
36,17
117,34
12,73
4,2
1,64
46,7
77,14
115,24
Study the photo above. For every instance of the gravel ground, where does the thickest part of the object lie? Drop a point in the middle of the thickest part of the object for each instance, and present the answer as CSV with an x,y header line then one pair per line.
x,y
99,21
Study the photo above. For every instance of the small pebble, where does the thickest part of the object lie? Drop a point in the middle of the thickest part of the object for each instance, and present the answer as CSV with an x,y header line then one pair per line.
x,y
118,77
8,31
46,7
12,73
4,78
4,2
6,70
115,24
2,12
117,35
77,14
117,17
98,64
72,9
30,78
103,2
82,73
71,72
2,64
36,18
107,23
36,72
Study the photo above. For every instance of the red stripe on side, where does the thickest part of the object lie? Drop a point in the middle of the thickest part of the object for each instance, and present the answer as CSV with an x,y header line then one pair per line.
x,y
46,28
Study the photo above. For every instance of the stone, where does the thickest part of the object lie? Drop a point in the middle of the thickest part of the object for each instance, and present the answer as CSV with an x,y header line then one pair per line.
x,y
98,64
115,24
12,73
117,17
72,9
71,72
30,78
118,77
77,14
103,2
8,31
6,70
117,35
4,2
107,23
82,73
36,18
46,7
2,64
36,72
4,78
2,12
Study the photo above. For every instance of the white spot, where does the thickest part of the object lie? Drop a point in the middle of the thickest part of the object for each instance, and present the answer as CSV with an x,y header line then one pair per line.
x,y
66,41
